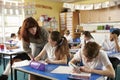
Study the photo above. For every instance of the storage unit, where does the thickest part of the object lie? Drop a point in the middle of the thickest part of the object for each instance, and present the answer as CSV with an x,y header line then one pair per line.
x,y
69,21
100,15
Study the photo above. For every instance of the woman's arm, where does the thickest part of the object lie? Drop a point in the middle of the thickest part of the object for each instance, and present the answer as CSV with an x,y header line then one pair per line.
x,y
43,52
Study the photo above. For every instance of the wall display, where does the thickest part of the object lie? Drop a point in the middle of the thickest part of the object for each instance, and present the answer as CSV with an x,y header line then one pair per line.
x,y
50,23
106,4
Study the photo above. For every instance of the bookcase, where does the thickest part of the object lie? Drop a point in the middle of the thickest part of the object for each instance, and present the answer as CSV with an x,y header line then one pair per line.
x,y
69,21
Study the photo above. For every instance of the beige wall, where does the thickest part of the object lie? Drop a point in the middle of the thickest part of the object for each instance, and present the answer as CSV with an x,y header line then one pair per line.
x,y
53,8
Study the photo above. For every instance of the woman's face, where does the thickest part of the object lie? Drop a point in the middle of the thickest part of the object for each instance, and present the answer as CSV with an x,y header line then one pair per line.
x,y
33,30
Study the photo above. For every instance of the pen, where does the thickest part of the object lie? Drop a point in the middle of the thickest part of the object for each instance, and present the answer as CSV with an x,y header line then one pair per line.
x,y
75,67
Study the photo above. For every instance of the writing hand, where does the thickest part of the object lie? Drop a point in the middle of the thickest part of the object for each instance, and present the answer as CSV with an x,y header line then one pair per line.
x,y
85,69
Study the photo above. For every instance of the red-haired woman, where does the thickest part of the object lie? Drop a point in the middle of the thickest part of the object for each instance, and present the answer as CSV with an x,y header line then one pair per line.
x,y
32,33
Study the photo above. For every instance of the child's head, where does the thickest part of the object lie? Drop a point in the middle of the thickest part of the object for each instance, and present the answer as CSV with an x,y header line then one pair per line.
x,y
91,50
55,37
87,35
114,33
13,35
117,32
67,32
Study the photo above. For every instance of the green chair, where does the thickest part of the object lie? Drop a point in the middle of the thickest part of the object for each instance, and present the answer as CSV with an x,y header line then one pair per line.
x,y
118,72
115,62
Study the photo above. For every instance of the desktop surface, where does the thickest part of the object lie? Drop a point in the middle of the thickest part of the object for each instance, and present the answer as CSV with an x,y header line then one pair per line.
x,y
47,73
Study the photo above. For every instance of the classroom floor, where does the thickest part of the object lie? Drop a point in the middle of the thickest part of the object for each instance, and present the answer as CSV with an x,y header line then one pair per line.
x,y
22,76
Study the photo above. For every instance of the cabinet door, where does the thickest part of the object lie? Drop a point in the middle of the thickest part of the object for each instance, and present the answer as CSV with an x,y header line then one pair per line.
x,y
69,21
114,14
84,17
62,22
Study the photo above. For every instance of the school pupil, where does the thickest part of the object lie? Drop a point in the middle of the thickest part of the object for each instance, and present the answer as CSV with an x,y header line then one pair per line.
x,y
68,36
18,57
93,60
113,43
57,51
86,37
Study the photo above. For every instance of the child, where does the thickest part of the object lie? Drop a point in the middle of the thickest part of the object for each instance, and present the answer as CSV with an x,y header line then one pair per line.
x,y
57,51
113,43
93,60
68,36
18,57
87,37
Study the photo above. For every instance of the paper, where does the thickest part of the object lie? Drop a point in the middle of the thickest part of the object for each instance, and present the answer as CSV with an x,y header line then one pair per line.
x,y
81,74
21,63
68,70
101,78
62,70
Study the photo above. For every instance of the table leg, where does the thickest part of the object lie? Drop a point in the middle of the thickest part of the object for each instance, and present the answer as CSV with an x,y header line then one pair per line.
x,y
11,67
3,63
15,74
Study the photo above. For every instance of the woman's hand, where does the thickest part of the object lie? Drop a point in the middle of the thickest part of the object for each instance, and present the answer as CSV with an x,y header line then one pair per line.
x,y
85,69
36,58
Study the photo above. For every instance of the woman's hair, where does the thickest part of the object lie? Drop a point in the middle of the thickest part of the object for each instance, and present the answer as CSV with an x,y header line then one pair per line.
x,y
87,34
91,50
62,45
29,23
18,33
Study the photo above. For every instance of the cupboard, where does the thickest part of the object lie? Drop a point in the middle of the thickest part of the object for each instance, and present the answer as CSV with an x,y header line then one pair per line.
x,y
100,15
69,21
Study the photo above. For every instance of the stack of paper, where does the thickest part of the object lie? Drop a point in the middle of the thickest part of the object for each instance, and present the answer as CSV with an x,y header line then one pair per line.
x,y
68,70
21,63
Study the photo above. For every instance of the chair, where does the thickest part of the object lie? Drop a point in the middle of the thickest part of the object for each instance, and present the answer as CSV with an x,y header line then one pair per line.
x,y
115,61
0,59
117,72
6,59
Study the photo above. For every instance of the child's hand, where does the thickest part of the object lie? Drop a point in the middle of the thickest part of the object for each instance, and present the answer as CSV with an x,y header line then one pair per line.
x,y
47,60
76,70
36,59
114,36
85,69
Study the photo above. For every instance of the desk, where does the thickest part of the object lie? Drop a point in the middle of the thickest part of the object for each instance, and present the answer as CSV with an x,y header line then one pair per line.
x,y
73,50
113,54
46,74
10,53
